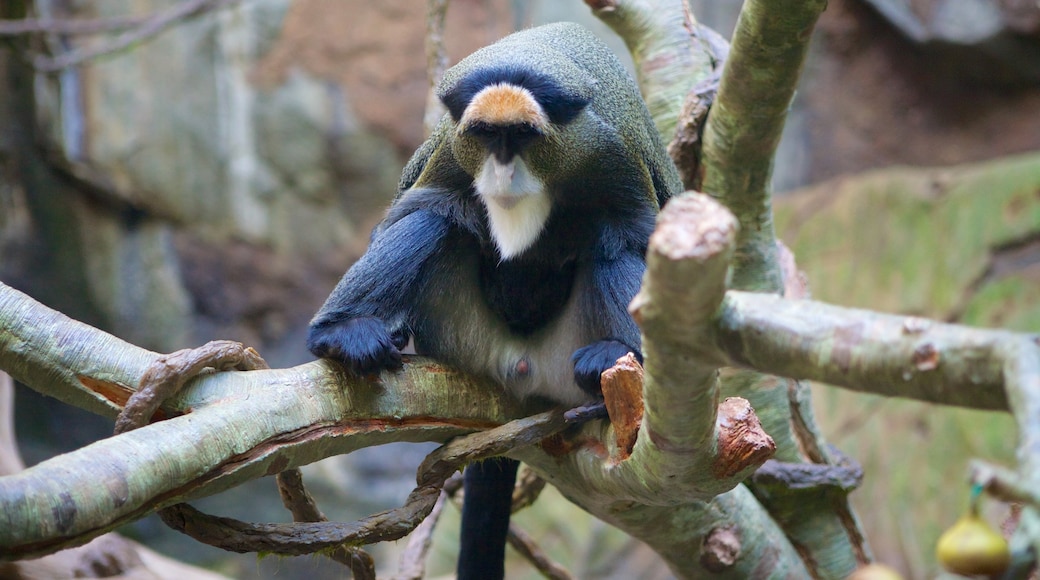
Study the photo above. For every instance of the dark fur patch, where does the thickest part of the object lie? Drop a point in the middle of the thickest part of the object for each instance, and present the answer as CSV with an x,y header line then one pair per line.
x,y
590,362
561,107
362,344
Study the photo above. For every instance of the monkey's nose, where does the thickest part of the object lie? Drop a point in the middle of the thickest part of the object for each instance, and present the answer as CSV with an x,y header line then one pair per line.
x,y
504,172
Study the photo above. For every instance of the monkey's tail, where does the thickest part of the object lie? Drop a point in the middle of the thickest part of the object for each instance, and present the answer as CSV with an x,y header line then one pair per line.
x,y
488,499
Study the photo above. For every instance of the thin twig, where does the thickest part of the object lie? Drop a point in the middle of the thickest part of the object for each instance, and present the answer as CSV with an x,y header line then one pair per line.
x,y
412,564
148,28
523,543
528,488
168,374
436,60
296,499
1004,484
304,509
70,27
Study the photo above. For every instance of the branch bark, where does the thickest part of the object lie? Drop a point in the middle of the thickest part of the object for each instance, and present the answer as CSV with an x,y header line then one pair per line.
x,y
436,62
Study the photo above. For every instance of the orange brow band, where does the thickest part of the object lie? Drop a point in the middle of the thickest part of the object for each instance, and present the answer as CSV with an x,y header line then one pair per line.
x,y
504,104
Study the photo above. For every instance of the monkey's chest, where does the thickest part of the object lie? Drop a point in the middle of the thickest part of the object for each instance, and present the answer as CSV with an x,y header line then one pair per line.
x,y
526,296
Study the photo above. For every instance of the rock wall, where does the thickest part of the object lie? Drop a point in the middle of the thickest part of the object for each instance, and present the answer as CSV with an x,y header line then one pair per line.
x,y
218,179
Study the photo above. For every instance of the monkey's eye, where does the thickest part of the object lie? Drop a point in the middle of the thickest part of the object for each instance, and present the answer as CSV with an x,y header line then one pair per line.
x,y
524,129
482,130
522,134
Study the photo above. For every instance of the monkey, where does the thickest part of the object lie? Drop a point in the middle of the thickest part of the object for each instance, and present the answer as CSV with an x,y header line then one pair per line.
x,y
515,243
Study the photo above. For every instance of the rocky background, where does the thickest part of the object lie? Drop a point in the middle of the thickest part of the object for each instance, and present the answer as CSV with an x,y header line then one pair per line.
x,y
216,181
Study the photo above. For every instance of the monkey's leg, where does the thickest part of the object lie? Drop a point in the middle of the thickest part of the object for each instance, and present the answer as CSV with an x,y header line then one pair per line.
x,y
609,287
488,487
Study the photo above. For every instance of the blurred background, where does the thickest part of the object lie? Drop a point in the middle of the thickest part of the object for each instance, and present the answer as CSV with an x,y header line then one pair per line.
x,y
216,180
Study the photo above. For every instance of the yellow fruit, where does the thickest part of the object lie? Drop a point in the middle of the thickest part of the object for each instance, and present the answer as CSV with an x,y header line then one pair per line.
x,y
972,547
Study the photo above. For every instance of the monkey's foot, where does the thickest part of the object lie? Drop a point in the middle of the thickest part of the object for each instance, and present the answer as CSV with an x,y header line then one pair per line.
x,y
590,362
363,344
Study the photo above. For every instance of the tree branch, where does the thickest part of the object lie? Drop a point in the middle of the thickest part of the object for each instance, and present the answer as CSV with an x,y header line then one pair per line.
x,y
307,538
70,27
731,158
744,126
412,564
331,413
671,52
885,354
308,413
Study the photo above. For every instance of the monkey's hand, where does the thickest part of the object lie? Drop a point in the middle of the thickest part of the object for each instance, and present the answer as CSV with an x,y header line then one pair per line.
x,y
363,344
590,361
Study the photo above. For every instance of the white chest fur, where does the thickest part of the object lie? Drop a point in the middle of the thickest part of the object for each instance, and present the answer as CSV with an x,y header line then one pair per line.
x,y
516,202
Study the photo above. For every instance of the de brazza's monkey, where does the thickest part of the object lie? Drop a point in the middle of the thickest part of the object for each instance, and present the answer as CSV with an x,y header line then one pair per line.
x,y
515,243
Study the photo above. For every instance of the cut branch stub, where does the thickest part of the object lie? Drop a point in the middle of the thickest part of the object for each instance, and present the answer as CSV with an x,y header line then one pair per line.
x,y
693,225
623,395
720,549
743,444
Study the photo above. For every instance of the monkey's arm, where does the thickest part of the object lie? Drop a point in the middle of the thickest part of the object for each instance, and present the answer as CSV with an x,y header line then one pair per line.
x,y
365,321
612,282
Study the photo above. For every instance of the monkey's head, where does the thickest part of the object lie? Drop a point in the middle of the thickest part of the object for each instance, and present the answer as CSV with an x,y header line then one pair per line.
x,y
545,117
510,133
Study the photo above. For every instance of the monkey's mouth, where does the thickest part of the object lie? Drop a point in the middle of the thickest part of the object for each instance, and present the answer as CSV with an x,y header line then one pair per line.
x,y
506,184
507,201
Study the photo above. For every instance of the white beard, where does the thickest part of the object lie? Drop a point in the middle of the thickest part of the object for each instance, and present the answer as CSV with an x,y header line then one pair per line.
x,y
516,203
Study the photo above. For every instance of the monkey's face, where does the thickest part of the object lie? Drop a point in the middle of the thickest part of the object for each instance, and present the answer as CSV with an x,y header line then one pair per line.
x,y
499,130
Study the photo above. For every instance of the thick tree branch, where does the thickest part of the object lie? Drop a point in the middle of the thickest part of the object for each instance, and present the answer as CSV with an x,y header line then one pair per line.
x,y
684,285
799,338
744,126
731,159
886,354
672,53
678,66
255,423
